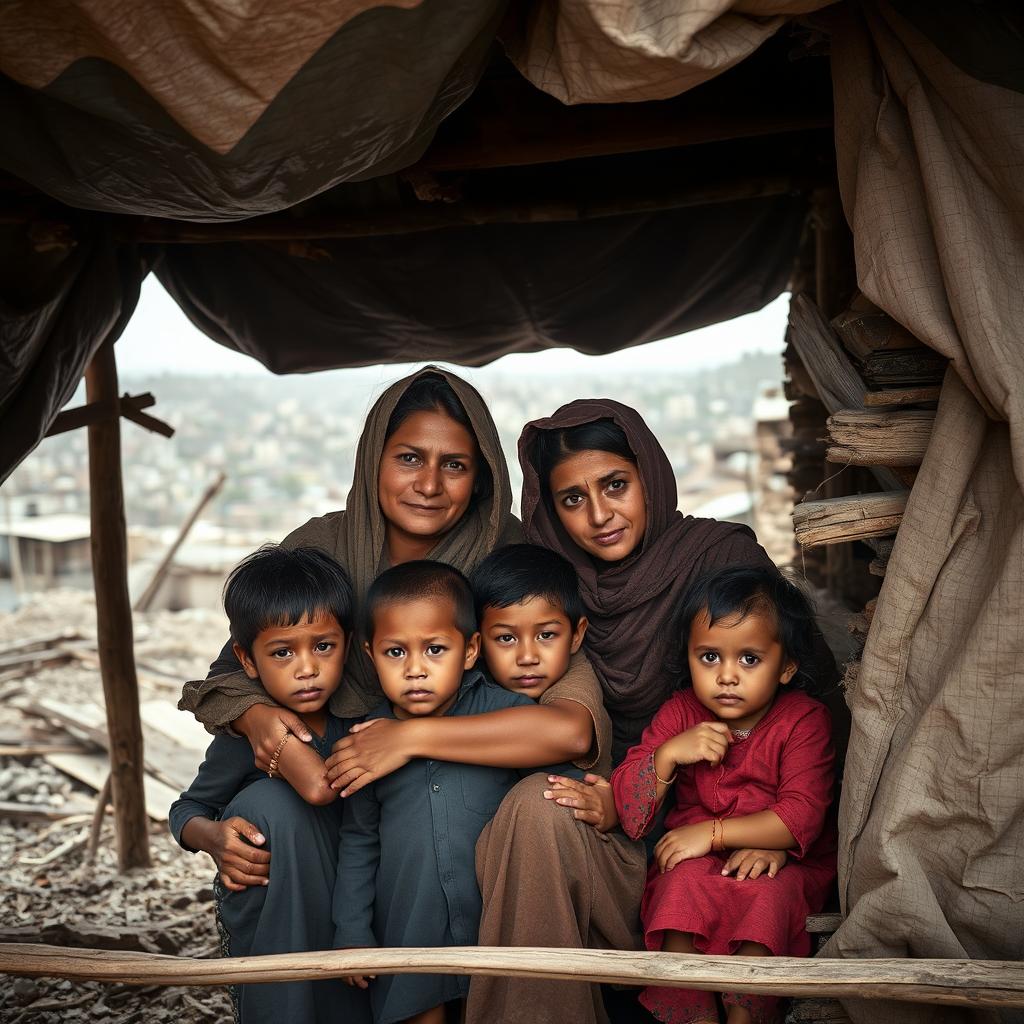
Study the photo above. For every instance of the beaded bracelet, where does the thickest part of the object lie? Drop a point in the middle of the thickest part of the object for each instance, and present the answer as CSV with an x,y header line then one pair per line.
x,y
277,755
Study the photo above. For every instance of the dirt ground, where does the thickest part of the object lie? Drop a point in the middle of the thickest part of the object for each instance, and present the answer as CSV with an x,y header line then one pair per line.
x,y
165,909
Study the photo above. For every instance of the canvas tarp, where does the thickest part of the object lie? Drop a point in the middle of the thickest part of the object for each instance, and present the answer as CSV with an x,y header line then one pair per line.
x,y
931,166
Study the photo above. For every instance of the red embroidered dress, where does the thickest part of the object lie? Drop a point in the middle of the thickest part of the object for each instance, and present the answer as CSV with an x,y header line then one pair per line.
x,y
784,765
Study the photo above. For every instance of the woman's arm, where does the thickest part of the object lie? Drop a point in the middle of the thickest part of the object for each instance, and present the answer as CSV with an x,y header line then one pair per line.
x,y
524,737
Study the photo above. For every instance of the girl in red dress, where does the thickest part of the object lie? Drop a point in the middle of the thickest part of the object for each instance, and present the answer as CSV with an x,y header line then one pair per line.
x,y
748,758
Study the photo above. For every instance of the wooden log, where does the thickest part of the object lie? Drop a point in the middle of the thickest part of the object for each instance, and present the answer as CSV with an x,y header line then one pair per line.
x,y
145,599
37,643
901,396
109,546
879,438
852,517
973,983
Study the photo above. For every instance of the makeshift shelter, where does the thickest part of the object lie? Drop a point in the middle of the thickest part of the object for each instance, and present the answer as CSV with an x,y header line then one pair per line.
x,y
342,183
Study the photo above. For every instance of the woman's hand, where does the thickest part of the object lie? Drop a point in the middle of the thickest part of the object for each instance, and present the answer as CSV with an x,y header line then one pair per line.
x,y
369,752
754,863
592,799
684,843
264,725
233,845
708,741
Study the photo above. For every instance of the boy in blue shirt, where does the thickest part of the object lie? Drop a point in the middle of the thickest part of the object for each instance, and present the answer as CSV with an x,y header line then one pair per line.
x,y
406,868
291,618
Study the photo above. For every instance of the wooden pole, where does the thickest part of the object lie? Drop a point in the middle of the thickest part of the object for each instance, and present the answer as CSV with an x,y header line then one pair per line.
x,y
975,983
146,597
109,545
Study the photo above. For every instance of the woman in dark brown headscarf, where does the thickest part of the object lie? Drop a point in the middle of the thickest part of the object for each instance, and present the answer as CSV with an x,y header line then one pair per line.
x,y
599,489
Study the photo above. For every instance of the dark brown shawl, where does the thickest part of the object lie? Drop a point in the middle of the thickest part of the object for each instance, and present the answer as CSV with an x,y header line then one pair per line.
x,y
630,603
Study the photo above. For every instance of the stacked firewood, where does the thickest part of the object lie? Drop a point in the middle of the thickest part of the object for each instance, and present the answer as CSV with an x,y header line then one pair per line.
x,y
879,386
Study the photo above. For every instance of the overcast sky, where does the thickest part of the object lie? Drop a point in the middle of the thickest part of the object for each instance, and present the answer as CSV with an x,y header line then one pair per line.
x,y
160,339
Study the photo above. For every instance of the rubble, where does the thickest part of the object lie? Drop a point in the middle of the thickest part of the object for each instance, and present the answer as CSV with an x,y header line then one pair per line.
x,y
49,893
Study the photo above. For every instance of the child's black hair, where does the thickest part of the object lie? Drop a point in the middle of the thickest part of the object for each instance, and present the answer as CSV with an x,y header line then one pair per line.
x,y
517,572
430,392
741,590
423,578
553,447
277,586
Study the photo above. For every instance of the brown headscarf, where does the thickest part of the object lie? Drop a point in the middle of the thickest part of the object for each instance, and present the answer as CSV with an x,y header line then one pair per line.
x,y
630,603
356,536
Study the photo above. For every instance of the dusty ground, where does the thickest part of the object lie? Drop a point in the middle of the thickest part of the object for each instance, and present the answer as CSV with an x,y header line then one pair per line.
x,y
167,908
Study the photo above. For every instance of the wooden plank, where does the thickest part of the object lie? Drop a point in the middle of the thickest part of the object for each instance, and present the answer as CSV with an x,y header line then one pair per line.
x,y
38,749
92,769
114,636
11,810
853,517
163,758
904,368
180,726
873,437
37,643
974,983
901,396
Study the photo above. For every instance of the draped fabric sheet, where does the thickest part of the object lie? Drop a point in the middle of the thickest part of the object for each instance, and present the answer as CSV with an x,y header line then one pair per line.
x,y
931,164
467,295
595,51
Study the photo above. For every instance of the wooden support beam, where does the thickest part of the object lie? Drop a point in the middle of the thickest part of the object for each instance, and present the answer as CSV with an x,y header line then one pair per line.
x,y
851,517
974,983
114,641
438,216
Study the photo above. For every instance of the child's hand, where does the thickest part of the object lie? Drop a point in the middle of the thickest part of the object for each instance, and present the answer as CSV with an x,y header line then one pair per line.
x,y
708,741
234,848
359,980
592,799
684,843
754,863
263,726
369,752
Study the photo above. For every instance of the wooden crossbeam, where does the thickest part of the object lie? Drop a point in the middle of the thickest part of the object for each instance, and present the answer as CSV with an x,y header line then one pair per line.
x,y
128,406
975,983
437,216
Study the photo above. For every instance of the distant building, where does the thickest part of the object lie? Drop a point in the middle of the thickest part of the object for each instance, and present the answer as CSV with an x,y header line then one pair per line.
x,y
40,552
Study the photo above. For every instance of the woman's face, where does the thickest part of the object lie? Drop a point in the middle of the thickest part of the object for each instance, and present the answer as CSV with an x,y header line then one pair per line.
x,y
600,501
426,475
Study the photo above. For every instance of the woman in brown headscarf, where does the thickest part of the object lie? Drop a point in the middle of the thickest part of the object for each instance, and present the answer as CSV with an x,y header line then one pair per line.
x,y
599,489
